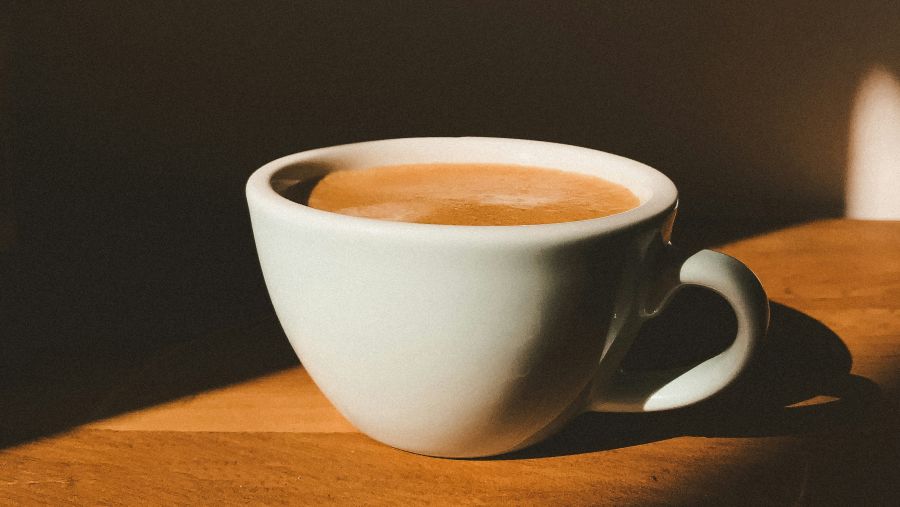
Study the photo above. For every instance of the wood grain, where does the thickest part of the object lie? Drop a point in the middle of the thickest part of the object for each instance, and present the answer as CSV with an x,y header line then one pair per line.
x,y
805,431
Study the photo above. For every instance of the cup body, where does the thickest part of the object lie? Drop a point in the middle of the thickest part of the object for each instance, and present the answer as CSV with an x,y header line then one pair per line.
x,y
457,341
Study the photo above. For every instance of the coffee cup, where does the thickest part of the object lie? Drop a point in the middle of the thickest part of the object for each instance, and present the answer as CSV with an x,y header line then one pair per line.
x,y
467,341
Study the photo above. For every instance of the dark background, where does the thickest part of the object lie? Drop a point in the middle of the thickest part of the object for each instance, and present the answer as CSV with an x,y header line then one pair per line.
x,y
129,128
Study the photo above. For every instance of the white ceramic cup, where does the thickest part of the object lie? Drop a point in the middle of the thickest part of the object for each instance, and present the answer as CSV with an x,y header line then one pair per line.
x,y
465,341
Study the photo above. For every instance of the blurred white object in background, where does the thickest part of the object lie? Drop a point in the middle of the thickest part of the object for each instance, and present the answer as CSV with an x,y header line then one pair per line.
x,y
873,168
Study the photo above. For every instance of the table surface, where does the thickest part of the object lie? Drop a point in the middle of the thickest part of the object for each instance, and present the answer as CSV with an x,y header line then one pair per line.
x,y
816,422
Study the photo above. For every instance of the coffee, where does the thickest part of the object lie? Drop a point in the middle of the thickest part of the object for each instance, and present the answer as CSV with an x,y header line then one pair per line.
x,y
470,194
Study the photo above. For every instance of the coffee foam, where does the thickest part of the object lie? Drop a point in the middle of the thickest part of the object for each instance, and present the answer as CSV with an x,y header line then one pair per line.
x,y
399,211
470,194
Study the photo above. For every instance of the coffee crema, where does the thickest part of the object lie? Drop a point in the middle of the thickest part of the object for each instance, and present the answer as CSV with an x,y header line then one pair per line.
x,y
470,194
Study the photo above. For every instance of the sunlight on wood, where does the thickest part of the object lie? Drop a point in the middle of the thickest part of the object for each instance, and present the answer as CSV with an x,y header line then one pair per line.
x,y
817,400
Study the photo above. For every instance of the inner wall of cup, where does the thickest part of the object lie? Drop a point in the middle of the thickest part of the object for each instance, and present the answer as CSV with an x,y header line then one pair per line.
x,y
296,180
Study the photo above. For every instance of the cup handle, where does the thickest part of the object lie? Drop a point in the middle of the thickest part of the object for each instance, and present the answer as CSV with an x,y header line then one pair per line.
x,y
649,391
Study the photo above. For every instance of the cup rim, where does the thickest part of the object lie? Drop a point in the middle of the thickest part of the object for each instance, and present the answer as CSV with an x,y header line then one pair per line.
x,y
662,199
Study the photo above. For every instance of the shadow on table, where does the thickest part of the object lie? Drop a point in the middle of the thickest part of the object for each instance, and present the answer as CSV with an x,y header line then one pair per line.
x,y
801,383
49,390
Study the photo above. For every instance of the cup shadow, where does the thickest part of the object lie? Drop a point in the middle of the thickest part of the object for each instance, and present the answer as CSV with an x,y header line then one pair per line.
x,y
799,384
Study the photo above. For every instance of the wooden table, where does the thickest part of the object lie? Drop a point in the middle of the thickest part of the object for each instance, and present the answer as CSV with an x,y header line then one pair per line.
x,y
815,423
